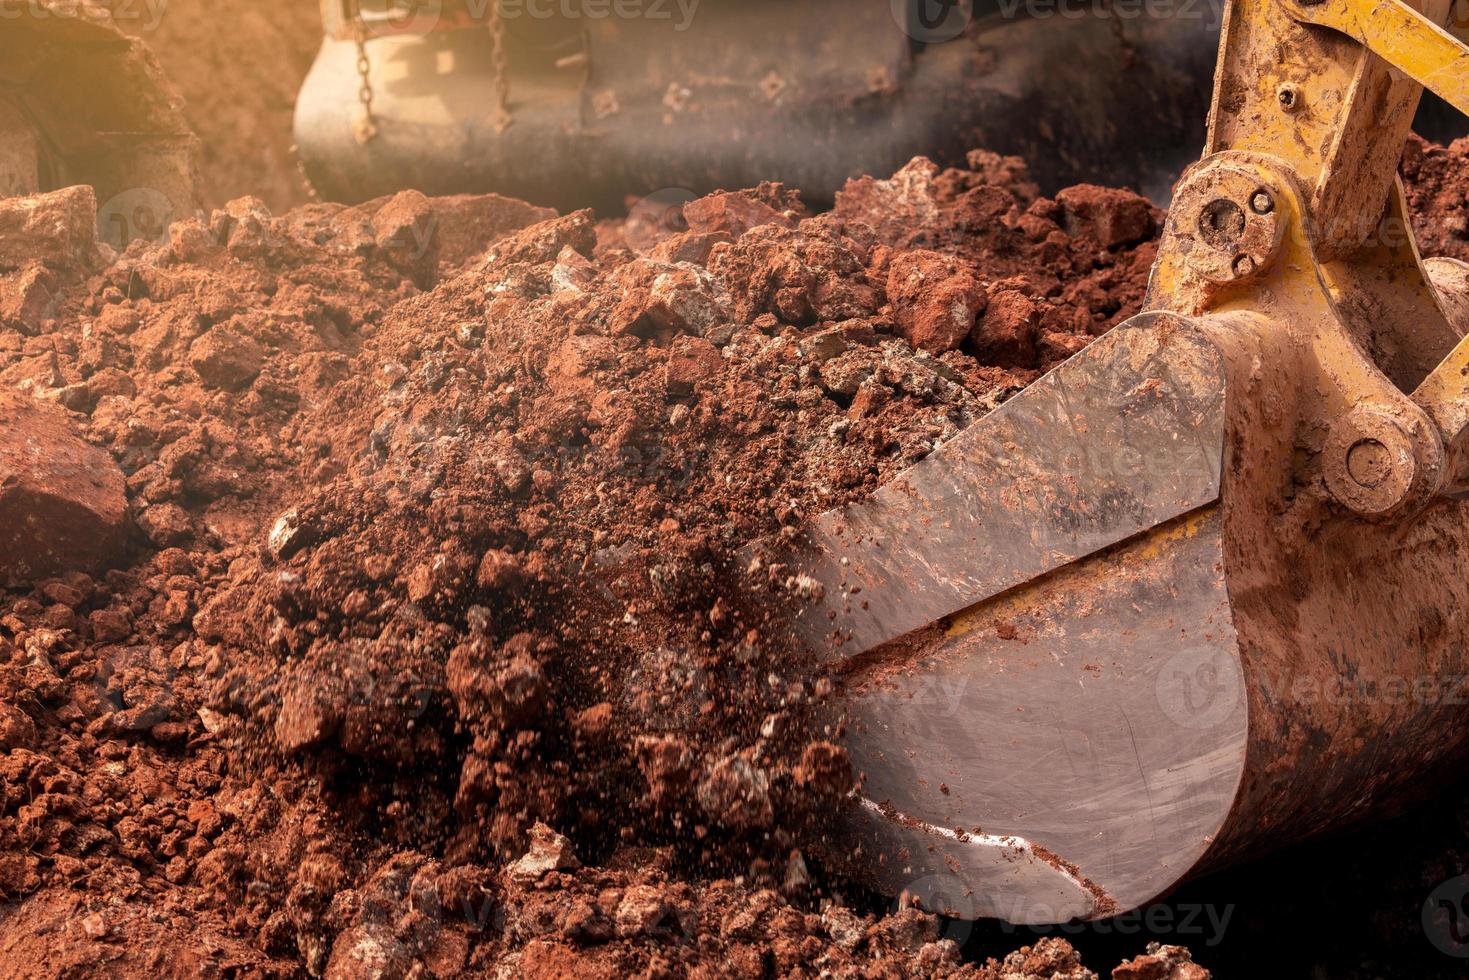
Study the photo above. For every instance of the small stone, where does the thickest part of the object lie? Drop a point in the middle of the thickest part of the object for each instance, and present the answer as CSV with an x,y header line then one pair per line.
x,y
1006,335
166,525
405,230
17,730
1109,215
691,361
730,213
572,271
26,299
288,535
226,358
1161,963
498,570
845,927
95,926
549,851
111,625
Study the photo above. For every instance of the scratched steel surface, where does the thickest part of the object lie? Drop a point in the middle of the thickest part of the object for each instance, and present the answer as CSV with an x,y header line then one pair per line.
x,y
1097,716
1123,437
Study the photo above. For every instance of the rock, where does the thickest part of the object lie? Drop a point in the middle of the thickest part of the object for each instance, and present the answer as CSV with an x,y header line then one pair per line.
x,y
17,730
1161,963
900,209
57,229
63,503
306,717
574,364
735,794
467,223
687,299
289,534
26,299
1051,958
368,951
498,570
405,230
690,361
934,303
166,525
543,242
646,910
1109,215
730,213
549,851
845,927
95,926
1006,335
573,271
226,358
111,625
688,246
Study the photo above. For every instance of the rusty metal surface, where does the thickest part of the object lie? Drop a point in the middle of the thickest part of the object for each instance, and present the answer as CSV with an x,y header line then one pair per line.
x,y
811,94
1290,659
1115,441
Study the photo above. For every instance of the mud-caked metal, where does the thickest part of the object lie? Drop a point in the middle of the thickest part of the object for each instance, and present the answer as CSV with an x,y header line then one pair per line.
x,y
1201,591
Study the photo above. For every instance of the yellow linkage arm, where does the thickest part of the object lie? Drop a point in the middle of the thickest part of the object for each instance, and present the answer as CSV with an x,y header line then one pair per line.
x,y
1402,37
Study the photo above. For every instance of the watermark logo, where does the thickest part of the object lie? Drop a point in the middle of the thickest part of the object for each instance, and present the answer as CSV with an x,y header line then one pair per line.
x,y
143,16
1446,917
140,212
657,216
932,21
1199,688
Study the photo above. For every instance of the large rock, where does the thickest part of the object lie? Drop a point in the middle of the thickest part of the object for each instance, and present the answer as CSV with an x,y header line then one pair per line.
x,y
63,505
57,229
934,303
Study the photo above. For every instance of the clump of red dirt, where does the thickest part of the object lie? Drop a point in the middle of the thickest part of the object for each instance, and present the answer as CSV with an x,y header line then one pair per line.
x,y
430,656
1438,199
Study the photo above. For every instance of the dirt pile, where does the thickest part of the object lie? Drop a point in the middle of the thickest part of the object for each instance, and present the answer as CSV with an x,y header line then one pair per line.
x,y
430,655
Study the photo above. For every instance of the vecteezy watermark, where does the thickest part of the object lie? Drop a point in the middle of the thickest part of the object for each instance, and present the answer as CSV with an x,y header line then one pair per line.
x,y
139,212
1200,687
1208,11
657,216
933,21
681,12
142,15
419,17
1191,921
1446,917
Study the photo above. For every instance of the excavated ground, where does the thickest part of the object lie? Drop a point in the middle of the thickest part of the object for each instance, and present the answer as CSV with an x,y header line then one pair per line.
x,y
427,656
431,567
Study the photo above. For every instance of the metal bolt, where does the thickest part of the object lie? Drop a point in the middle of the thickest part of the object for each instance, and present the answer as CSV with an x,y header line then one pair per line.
x,y
1368,463
1289,97
1261,202
1244,265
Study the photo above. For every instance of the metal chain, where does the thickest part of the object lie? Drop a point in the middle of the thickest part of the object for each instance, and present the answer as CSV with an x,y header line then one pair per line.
x,y
502,117
366,126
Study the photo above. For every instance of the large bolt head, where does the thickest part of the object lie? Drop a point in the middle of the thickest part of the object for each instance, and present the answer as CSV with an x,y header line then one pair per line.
x,y
1378,458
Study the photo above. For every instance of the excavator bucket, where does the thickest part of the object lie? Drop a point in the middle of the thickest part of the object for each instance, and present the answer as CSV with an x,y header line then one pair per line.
x,y
82,103
1198,592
